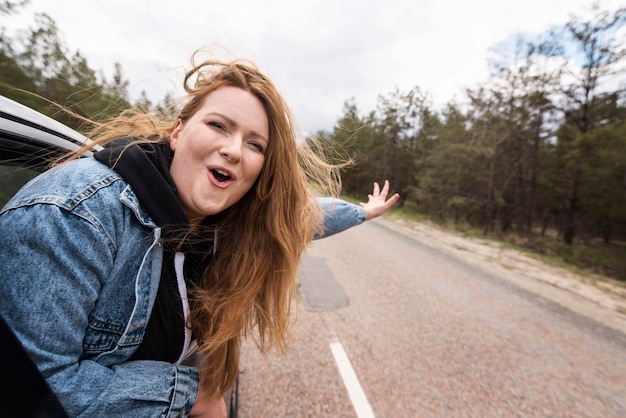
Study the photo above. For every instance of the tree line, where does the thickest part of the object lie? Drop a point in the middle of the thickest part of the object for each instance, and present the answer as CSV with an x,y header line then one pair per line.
x,y
540,147
39,70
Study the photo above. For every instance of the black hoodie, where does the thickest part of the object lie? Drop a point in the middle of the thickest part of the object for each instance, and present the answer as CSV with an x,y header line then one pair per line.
x,y
145,167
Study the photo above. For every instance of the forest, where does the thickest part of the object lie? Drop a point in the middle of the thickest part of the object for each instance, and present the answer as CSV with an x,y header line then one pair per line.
x,y
535,155
38,69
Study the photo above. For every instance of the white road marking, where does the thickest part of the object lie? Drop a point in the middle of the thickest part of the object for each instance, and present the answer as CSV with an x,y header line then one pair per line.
x,y
355,391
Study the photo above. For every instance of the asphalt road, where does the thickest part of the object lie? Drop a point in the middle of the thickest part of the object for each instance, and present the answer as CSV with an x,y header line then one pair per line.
x,y
429,335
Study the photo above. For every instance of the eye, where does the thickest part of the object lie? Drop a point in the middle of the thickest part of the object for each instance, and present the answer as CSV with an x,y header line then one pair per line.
x,y
258,146
217,125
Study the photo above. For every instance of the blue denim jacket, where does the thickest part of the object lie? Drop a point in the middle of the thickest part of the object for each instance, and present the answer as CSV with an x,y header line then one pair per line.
x,y
80,266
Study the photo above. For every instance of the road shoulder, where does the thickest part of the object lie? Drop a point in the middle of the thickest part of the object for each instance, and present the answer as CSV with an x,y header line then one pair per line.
x,y
596,297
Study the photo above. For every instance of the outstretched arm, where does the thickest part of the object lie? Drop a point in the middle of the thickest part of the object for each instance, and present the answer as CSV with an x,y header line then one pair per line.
x,y
340,215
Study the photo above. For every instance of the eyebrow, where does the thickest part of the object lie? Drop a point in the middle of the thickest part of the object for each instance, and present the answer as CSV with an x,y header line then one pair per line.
x,y
234,123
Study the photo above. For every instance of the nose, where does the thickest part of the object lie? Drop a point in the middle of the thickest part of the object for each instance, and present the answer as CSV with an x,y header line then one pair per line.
x,y
232,147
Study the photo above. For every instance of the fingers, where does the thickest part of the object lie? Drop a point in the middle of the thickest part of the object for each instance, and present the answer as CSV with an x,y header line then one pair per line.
x,y
387,204
392,200
380,193
385,188
376,190
377,202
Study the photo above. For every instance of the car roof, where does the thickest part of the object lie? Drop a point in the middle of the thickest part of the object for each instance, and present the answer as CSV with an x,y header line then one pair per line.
x,y
32,138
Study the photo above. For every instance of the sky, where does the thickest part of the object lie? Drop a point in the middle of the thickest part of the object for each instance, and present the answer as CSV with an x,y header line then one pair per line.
x,y
319,53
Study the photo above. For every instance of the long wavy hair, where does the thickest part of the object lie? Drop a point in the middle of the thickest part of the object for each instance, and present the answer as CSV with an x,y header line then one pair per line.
x,y
250,282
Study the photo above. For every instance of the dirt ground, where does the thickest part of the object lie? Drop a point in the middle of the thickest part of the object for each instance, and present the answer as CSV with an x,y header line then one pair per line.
x,y
597,297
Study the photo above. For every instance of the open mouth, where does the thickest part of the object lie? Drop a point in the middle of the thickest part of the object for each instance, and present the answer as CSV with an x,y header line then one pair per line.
x,y
220,175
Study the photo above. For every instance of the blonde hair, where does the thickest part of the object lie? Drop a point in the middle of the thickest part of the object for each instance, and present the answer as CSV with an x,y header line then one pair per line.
x,y
250,282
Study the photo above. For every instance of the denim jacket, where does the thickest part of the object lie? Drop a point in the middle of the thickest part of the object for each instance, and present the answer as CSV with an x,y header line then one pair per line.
x,y
80,264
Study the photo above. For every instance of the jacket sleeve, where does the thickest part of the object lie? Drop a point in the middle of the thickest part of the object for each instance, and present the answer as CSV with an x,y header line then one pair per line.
x,y
339,215
49,285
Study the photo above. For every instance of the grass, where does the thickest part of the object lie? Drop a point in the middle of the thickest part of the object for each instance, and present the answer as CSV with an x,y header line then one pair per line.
x,y
593,256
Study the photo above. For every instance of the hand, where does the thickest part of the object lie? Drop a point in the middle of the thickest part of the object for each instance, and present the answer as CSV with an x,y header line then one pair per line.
x,y
205,407
376,202
208,409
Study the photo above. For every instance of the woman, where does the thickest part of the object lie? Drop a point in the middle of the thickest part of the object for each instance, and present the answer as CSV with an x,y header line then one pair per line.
x,y
180,238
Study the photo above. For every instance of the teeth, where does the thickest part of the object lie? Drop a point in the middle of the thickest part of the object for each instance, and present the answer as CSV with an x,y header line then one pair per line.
x,y
221,175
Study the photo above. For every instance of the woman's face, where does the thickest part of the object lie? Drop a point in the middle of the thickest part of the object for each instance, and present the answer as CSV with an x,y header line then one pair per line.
x,y
219,152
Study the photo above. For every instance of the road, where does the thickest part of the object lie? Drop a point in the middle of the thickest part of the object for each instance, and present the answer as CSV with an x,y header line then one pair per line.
x,y
428,334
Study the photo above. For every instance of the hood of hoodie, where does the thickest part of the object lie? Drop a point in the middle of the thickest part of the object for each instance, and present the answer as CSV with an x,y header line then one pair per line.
x,y
146,168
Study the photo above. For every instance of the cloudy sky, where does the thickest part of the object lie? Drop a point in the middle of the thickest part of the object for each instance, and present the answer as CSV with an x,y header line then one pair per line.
x,y
319,52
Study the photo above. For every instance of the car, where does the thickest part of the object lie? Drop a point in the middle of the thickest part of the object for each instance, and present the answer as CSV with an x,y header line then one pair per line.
x,y
29,143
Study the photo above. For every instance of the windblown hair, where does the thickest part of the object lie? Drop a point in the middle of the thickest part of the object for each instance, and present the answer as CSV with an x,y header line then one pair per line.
x,y
250,282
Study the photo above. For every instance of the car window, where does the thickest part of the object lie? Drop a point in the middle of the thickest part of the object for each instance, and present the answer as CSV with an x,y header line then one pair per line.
x,y
12,177
29,143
